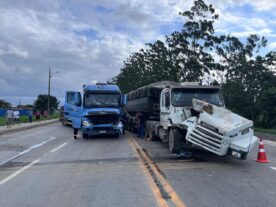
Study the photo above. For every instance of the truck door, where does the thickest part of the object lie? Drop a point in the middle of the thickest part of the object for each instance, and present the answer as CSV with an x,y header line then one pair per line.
x,y
73,108
165,108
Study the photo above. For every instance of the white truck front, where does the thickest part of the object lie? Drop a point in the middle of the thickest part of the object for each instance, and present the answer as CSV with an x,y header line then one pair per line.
x,y
220,131
208,124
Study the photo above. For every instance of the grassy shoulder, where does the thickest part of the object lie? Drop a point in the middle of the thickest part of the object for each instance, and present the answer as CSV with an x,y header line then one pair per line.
x,y
268,131
25,119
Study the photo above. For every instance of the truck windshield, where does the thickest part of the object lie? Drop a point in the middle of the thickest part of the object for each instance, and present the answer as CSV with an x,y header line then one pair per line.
x,y
101,100
183,96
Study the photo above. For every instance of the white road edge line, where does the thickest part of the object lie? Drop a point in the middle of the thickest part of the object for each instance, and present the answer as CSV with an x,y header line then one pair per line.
x,y
271,143
273,168
60,146
18,172
27,150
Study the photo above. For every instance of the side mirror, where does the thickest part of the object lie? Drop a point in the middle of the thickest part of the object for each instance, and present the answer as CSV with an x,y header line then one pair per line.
x,y
123,99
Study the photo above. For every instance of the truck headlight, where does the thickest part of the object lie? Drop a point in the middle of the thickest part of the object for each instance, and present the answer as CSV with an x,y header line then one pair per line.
x,y
119,125
236,154
85,123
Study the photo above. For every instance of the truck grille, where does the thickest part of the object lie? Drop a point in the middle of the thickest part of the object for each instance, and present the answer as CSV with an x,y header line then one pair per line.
x,y
210,140
104,119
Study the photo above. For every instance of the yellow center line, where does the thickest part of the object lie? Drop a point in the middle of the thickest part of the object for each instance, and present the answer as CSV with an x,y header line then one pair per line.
x,y
174,196
157,195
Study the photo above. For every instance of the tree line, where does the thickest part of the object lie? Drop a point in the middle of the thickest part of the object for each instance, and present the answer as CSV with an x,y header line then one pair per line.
x,y
198,53
40,104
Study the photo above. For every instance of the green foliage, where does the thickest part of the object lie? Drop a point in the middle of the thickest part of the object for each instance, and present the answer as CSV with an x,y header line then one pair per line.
x,y
196,51
25,119
268,131
41,103
4,104
246,73
185,56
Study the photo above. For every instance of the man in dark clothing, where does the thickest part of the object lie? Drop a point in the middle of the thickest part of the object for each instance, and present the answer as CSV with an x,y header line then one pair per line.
x,y
141,125
124,121
30,115
75,133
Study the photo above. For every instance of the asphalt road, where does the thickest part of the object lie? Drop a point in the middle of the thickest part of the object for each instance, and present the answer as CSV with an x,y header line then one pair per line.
x,y
44,166
94,172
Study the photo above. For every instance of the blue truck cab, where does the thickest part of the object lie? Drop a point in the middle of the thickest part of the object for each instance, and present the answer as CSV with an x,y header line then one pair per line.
x,y
97,111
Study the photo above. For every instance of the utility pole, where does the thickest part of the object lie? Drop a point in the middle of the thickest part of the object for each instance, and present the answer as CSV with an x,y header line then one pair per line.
x,y
49,88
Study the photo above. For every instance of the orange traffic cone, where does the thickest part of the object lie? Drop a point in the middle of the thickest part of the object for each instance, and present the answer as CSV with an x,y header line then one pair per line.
x,y
261,154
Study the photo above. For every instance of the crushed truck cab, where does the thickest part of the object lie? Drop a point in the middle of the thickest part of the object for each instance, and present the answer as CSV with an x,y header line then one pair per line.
x,y
220,131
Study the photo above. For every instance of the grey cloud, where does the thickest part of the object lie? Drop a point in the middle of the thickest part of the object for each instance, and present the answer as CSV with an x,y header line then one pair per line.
x,y
36,35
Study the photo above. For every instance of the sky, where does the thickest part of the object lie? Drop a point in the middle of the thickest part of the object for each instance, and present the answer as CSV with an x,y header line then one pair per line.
x,y
86,41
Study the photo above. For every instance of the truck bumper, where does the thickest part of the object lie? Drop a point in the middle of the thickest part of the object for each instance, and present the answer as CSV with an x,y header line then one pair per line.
x,y
240,149
100,130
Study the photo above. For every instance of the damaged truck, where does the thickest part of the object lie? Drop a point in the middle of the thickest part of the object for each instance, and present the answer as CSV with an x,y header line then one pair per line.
x,y
191,115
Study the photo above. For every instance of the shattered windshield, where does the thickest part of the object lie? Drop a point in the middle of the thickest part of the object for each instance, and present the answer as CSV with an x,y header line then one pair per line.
x,y
101,100
183,96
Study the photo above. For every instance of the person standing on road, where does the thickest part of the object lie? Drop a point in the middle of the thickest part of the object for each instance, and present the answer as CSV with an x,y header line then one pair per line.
x,y
45,114
9,117
124,121
16,116
76,133
37,115
141,125
30,115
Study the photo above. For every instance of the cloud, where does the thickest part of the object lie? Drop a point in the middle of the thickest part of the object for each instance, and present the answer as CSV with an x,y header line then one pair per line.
x,y
89,40
12,50
272,45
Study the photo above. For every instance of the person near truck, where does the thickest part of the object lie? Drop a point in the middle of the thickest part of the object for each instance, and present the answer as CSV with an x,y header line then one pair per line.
x,y
9,117
76,133
124,121
141,125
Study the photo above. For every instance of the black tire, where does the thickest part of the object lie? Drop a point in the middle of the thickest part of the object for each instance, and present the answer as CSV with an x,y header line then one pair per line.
x,y
150,134
117,135
84,136
175,138
63,122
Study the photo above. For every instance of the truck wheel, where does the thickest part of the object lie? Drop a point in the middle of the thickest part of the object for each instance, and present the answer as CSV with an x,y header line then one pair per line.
x,y
117,135
84,136
150,134
174,140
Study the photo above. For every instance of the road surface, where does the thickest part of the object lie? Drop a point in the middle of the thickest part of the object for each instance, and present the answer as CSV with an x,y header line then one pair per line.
x,y
44,166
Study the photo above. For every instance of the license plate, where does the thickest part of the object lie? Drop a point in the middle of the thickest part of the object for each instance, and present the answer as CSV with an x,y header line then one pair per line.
x,y
102,132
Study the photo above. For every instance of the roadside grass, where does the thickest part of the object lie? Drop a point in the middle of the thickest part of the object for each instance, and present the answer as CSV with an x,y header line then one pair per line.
x,y
268,131
25,119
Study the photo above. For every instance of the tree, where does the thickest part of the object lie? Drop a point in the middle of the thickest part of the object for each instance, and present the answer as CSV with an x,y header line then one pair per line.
x,y
42,101
185,56
196,51
191,47
26,106
4,104
246,72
